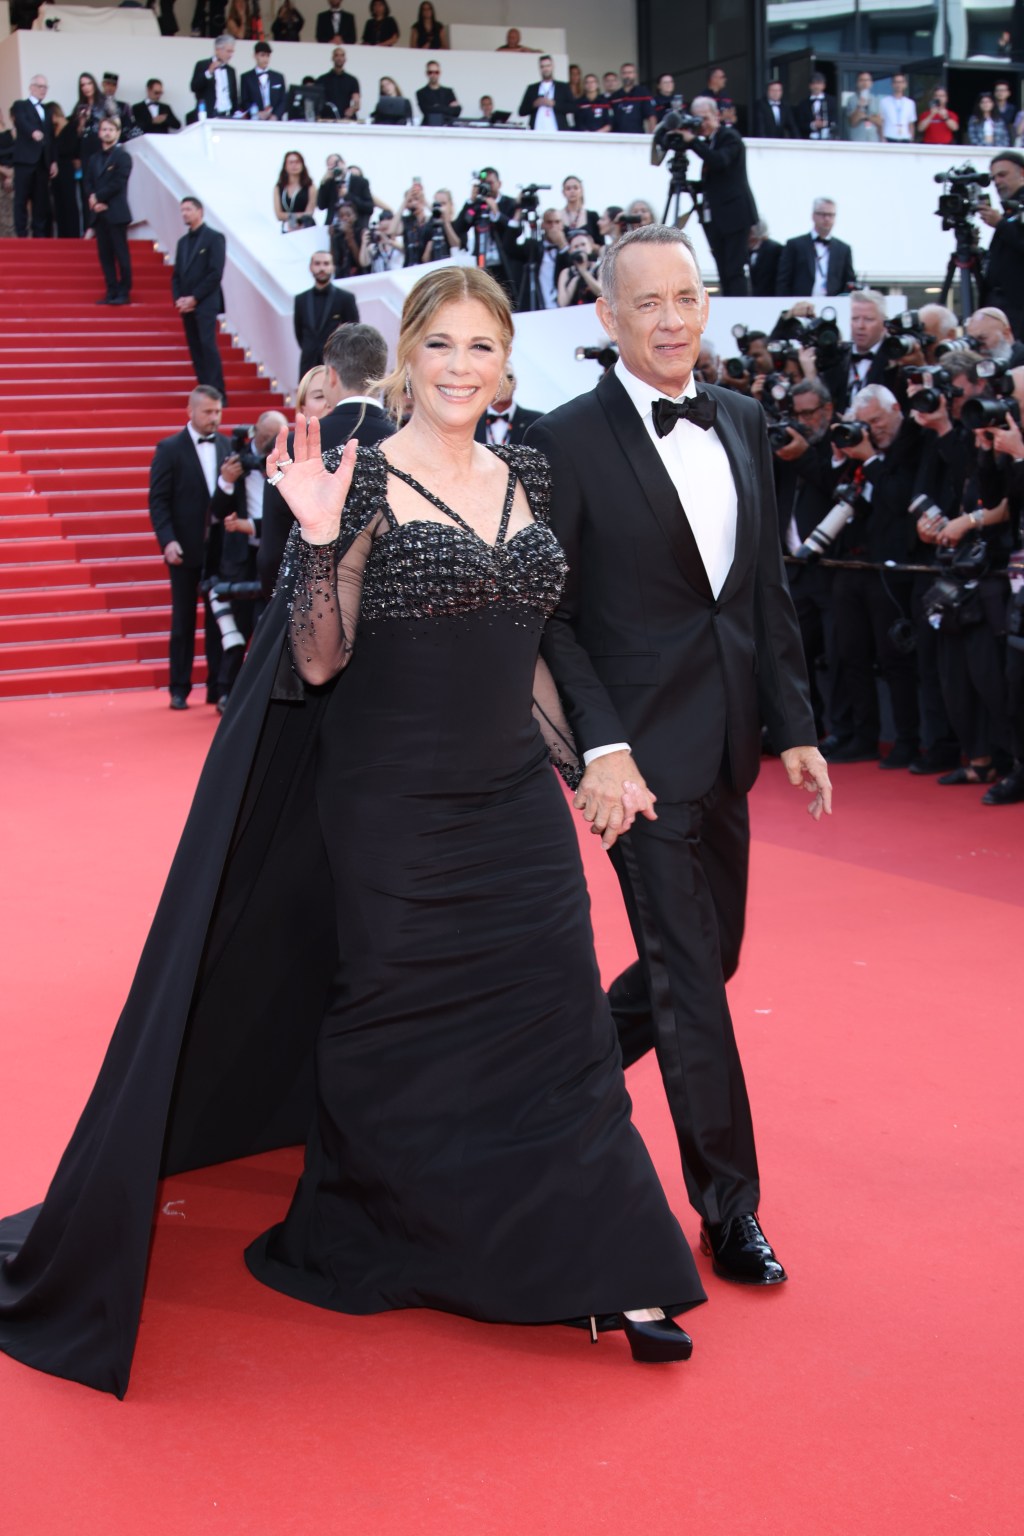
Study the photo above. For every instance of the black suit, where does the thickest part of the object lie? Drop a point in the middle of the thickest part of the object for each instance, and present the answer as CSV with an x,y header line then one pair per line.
x,y
325,32
437,105
204,88
315,321
522,420
251,96
838,376
765,126
339,89
764,269
561,104
179,503
144,118
106,176
798,264
198,269
368,424
729,205
32,161
1003,282
643,652
805,112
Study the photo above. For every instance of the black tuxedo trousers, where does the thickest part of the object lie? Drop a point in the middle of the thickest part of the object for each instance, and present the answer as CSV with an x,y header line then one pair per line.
x,y
643,651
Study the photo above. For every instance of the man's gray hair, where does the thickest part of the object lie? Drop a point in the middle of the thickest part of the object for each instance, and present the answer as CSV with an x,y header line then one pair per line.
x,y
822,202
813,386
225,37
645,234
357,353
943,317
870,296
702,104
961,360
877,393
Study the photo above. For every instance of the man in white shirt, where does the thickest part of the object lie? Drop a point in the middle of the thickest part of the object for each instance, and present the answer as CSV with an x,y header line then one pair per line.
x,y
548,104
899,114
675,637
214,81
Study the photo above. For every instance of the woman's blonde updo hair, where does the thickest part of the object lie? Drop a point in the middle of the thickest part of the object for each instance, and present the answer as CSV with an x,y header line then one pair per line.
x,y
444,285
306,384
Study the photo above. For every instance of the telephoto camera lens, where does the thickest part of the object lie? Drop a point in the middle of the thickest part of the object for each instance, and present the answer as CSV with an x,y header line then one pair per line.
x,y
820,539
979,413
847,434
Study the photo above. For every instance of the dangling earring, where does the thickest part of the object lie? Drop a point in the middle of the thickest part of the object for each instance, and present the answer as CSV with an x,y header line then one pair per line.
x,y
408,385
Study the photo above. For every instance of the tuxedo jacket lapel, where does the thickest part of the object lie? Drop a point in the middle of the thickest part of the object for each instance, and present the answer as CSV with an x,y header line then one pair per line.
x,y
741,464
653,481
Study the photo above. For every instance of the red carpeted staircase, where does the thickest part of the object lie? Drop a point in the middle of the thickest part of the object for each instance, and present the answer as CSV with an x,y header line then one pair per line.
x,y
85,394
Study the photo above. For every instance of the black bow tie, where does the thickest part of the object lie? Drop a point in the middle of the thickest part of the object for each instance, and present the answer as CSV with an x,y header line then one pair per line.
x,y
701,411
822,239
863,357
211,438
499,416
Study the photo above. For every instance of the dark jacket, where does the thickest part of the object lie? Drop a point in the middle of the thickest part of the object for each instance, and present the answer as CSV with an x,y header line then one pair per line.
x,y
639,647
27,150
368,425
437,105
561,104
837,377
765,126
325,32
178,498
249,92
199,267
356,191
727,193
520,424
882,527
797,265
1003,281
144,119
204,87
339,89
340,309
804,115
764,269
106,175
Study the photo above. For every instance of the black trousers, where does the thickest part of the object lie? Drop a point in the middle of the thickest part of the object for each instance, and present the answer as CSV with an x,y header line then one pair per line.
x,y
972,668
116,263
811,590
201,335
1015,698
730,253
32,185
865,605
185,581
684,880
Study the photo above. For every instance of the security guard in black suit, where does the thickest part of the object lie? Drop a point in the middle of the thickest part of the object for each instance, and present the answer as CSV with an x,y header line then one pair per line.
x,y
106,193
195,285
320,310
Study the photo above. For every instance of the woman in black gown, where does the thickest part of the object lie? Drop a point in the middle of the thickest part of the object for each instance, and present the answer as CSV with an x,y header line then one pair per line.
x,y
469,1144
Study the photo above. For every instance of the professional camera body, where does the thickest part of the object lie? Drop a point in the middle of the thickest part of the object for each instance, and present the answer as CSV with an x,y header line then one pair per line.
x,y
605,356
241,443
818,331
963,194
904,334
936,385
529,202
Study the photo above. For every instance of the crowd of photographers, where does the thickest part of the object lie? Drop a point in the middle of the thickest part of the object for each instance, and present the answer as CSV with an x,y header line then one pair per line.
x,y
899,463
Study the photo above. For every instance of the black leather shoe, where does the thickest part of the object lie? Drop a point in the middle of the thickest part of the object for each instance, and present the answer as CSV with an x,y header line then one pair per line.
x,y
969,775
179,701
853,751
121,299
900,756
655,1341
936,760
739,1251
1008,791
107,300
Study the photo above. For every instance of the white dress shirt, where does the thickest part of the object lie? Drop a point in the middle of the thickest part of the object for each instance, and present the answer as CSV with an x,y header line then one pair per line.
x,y
899,114
222,91
545,117
699,469
819,288
207,458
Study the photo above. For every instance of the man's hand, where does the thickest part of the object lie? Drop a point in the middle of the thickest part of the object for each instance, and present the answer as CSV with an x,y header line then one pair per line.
x,y
37,134
235,524
935,421
806,767
991,216
929,526
53,170
612,794
185,305
173,553
231,471
1008,439
794,448
97,207
861,451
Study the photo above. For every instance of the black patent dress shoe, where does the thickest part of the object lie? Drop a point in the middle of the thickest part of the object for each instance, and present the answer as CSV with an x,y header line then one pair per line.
x,y
179,701
900,756
739,1251
853,751
656,1341
1008,791
937,759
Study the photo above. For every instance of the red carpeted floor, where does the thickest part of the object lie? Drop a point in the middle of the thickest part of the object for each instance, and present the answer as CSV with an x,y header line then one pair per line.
x,y
879,1010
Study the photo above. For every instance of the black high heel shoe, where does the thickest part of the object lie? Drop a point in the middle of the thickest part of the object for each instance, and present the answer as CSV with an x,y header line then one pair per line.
x,y
652,1341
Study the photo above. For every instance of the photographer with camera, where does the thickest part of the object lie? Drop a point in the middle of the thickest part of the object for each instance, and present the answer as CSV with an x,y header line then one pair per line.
x,y
989,332
339,182
442,237
380,249
729,209
872,608
483,228
1002,284
578,282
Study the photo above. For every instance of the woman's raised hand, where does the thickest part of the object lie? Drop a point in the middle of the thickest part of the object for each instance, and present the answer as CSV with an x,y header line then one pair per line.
x,y
312,494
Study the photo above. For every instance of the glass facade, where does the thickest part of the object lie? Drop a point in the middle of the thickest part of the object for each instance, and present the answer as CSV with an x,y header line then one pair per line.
x,y
907,29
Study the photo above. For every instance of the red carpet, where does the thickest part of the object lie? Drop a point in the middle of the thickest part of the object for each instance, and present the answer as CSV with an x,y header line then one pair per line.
x,y
85,394
877,1393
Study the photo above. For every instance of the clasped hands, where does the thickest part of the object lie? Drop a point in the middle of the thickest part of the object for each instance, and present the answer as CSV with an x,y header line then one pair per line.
x,y
612,794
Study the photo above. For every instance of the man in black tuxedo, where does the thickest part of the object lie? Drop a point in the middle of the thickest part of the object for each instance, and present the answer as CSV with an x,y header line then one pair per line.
x,y
505,420
34,163
763,260
339,184
773,119
729,208
320,310
437,103
195,287
105,189
817,264
548,104
1003,282
353,356
214,81
182,479
114,107
341,90
860,360
674,639
816,118
263,93
335,25
154,115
